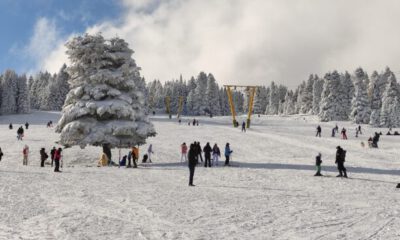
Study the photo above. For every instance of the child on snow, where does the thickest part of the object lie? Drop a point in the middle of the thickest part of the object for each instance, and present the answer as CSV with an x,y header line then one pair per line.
x,y
318,161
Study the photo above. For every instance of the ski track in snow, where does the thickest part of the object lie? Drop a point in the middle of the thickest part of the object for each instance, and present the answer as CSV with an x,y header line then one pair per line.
x,y
271,194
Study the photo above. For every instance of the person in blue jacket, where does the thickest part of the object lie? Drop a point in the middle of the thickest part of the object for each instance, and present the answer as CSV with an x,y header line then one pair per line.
x,y
228,153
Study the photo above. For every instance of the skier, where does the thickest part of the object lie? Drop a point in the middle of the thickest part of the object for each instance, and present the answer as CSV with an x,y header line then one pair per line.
x,y
228,153
318,131
359,129
183,152
340,159
194,121
333,132
344,136
135,156
52,152
192,163
150,151
26,125
375,140
1,154
207,154
25,152
243,126
216,154
57,159
318,161
43,156
10,126
199,152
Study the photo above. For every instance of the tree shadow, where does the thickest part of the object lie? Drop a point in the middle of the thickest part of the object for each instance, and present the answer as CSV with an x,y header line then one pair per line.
x,y
285,166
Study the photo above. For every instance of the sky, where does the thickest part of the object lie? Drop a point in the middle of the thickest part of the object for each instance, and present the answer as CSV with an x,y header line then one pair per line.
x,y
238,41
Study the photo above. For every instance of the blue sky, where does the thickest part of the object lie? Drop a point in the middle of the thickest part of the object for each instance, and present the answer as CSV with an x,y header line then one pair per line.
x,y
238,41
18,19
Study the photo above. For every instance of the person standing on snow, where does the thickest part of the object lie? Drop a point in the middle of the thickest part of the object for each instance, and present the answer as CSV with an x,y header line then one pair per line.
x,y
57,159
344,136
1,154
43,157
340,159
216,154
10,126
183,152
207,154
318,131
26,125
129,165
25,152
228,153
20,133
52,152
135,156
192,163
243,126
150,151
199,151
359,129
318,161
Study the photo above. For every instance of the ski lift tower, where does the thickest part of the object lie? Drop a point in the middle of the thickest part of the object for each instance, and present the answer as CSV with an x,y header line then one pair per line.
x,y
251,90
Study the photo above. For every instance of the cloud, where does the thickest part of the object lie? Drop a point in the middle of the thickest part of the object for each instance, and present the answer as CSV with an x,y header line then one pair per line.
x,y
255,42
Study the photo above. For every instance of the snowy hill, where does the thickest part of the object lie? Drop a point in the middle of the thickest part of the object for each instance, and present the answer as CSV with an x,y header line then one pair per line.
x,y
270,193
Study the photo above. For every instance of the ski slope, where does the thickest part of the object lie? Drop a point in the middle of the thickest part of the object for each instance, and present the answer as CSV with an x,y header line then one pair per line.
x,y
269,193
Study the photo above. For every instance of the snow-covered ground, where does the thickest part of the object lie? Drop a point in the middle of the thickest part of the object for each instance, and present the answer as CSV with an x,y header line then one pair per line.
x,y
271,192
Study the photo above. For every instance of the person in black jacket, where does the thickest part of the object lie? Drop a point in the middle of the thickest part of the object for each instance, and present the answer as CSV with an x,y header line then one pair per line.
x,y
207,154
52,152
340,159
192,163
26,125
318,161
1,154
43,157
318,131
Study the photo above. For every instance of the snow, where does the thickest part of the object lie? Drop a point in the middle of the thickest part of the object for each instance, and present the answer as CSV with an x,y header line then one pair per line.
x,y
270,193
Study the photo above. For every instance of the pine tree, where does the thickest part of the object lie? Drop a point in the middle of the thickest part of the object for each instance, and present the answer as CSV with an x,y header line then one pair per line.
x,y
345,92
389,116
9,92
361,110
22,98
330,107
273,105
212,102
105,105
317,91
307,96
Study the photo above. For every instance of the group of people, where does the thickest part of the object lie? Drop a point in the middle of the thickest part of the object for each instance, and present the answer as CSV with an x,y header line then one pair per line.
x,y
194,122
194,154
129,160
20,130
340,159
55,155
335,130
373,141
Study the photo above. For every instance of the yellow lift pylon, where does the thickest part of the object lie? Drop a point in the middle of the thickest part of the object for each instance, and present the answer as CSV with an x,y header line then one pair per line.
x,y
168,105
252,91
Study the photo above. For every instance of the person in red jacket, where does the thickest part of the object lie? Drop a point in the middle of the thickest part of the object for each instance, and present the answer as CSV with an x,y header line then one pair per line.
x,y
183,152
57,158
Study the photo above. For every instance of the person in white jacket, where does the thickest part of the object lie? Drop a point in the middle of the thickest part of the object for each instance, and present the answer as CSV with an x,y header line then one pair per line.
x,y
216,154
150,151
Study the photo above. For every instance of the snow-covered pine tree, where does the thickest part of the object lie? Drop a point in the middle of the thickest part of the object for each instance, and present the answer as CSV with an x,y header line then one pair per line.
x,y
212,99
346,93
57,90
104,106
307,96
289,104
273,105
389,116
375,98
260,100
22,100
300,93
361,108
224,103
9,92
317,91
329,108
